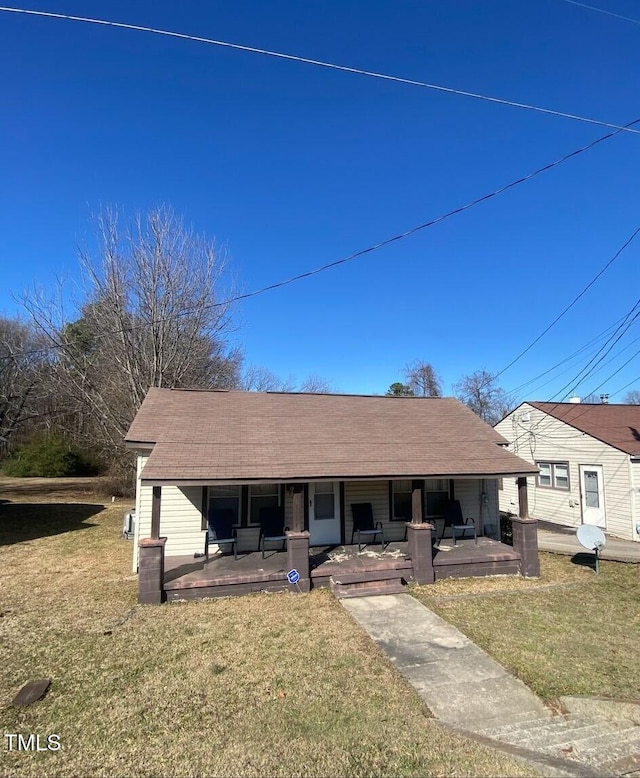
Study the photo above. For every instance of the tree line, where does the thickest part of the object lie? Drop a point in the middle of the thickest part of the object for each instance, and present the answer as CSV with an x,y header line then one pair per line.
x,y
153,311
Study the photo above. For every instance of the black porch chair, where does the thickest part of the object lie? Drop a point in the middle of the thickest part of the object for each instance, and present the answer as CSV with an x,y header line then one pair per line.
x,y
363,524
220,530
272,527
453,518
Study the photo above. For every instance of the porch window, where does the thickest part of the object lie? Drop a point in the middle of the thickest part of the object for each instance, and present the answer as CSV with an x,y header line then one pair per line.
x,y
401,500
324,501
262,496
553,475
436,492
225,497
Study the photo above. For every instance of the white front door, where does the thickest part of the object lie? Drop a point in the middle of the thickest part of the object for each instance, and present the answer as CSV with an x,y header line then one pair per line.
x,y
324,514
592,491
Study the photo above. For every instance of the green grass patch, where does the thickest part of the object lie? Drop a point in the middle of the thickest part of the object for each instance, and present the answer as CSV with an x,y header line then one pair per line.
x,y
264,685
568,632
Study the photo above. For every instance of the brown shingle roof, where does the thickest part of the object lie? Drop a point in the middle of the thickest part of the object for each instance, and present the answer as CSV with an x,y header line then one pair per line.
x,y
250,435
617,425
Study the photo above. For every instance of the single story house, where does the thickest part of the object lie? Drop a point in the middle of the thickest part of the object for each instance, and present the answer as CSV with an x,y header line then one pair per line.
x,y
588,458
312,456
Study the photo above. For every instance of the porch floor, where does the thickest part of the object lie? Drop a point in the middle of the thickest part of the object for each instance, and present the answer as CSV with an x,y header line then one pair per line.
x,y
466,558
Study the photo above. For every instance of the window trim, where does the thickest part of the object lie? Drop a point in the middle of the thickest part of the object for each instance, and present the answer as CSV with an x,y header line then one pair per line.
x,y
552,472
392,493
206,504
279,488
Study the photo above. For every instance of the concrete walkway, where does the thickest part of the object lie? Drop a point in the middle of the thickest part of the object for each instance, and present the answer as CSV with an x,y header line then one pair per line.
x,y
616,550
461,684
470,692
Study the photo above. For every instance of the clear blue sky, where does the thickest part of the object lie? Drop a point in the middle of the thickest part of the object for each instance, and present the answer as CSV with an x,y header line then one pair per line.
x,y
291,166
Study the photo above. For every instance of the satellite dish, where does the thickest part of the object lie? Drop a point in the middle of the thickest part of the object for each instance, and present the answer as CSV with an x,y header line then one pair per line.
x,y
593,538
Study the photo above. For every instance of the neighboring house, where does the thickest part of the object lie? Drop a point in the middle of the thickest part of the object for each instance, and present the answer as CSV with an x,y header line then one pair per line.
x,y
245,451
589,462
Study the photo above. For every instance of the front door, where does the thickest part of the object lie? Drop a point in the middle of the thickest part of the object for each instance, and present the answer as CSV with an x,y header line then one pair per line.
x,y
592,491
324,514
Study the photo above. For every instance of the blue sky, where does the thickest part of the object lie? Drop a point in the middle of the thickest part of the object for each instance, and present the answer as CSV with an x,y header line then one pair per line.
x,y
290,166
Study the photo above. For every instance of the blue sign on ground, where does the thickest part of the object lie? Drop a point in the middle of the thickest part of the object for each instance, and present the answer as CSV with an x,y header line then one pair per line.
x,y
293,576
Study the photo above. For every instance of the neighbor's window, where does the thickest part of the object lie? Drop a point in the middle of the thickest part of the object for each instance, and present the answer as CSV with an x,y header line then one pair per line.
x,y
436,497
221,497
401,491
553,475
262,496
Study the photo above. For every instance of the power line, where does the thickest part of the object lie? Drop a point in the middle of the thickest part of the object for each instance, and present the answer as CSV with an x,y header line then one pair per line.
x,y
322,64
603,11
351,257
572,303
518,389
626,386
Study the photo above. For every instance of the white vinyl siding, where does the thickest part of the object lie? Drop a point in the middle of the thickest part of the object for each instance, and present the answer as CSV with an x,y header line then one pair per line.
x,y
377,493
143,503
483,510
547,439
180,519
634,470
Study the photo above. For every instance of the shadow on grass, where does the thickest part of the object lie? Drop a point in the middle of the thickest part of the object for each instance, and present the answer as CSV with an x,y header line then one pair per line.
x,y
584,560
27,521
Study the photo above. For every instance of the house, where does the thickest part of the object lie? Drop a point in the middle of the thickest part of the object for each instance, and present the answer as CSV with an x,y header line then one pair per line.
x,y
589,463
312,456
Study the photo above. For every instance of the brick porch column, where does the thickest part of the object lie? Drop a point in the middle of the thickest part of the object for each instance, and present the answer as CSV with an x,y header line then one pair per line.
x,y
525,535
298,559
421,552
151,571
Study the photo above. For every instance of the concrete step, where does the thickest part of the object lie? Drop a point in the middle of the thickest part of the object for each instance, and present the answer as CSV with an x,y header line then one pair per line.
x,y
623,742
598,744
528,725
560,731
366,588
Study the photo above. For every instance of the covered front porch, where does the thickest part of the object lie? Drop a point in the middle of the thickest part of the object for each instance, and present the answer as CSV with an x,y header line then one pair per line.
x,y
348,570
407,546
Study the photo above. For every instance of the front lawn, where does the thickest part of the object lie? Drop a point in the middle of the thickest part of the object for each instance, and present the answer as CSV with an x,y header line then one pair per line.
x,y
568,632
266,685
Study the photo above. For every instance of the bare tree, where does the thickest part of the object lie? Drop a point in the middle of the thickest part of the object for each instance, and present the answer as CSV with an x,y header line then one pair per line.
x,y
632,397
20,362
315,384
423,379
261,379
153,314
480,392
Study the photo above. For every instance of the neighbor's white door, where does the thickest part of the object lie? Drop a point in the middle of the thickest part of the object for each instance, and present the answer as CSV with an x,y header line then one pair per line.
x,y
324,514
592,491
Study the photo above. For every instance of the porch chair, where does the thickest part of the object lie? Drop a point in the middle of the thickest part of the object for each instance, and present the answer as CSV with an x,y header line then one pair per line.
x,y
362,513
272,527
453,518
220,530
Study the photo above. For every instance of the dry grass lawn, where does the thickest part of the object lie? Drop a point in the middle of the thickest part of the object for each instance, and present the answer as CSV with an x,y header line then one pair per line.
x,y
266,685
568,632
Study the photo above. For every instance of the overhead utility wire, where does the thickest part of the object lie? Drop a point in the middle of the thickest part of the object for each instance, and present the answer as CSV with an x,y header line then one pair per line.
x,y
351,257
543,424
625,325
320,63
572,303
516,390
566,370
603,11
626,386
